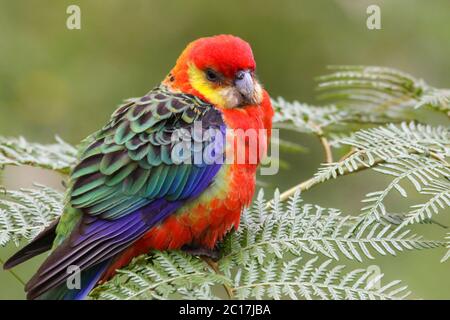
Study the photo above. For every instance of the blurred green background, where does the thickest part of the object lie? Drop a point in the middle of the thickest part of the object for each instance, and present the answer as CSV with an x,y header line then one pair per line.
x,y
68,82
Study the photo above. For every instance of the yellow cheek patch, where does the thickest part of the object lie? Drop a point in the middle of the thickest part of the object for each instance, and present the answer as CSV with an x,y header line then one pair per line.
x,y
204,87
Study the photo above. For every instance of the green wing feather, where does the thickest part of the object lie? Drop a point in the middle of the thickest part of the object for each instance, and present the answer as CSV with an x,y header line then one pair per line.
x,y
129,163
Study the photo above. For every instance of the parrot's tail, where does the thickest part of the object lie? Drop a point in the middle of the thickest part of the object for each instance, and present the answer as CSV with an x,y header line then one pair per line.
x,y
78,286
42,243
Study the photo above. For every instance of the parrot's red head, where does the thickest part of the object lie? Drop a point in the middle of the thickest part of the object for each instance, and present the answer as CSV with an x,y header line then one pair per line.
x,y
220,69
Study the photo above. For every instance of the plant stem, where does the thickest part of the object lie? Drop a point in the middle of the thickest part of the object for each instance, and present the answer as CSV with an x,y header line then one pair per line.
x,y
325,144
327,149
348,154
215,266
305,185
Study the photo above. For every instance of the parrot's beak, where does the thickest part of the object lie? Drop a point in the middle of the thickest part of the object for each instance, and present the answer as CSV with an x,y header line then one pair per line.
x,y
248,87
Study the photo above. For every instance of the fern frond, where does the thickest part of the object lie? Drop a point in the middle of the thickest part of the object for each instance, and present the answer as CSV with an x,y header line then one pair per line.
x,y
439,200
161,275
436,98
381,89
408,152
305,118
295,279
387,142
265,258
26,212
419,171
313,230
59,156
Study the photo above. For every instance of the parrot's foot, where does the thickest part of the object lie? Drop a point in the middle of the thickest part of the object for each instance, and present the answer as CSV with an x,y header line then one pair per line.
x,y
214,254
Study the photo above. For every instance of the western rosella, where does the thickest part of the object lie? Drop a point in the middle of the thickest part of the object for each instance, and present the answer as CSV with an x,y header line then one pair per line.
x,y
131,191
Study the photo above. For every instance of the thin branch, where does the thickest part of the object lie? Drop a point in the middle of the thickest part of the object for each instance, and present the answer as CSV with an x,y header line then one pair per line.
x,y
215,266
327,149
348,154
324,142
311,182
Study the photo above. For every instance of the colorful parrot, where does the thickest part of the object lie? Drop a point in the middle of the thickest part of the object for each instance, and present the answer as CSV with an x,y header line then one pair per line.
x,y
130,193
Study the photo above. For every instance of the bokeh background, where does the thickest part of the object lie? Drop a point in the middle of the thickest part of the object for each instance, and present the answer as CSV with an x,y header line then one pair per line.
x,y
68,82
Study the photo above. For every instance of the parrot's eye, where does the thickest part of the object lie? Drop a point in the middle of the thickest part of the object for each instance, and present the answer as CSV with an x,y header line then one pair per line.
x,y
211,75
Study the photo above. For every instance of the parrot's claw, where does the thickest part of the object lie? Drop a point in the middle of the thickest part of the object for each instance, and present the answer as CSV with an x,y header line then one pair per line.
x,y
214,254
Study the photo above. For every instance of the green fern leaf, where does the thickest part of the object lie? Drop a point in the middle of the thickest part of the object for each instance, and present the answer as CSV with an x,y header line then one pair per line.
x,y
59,156
26,212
